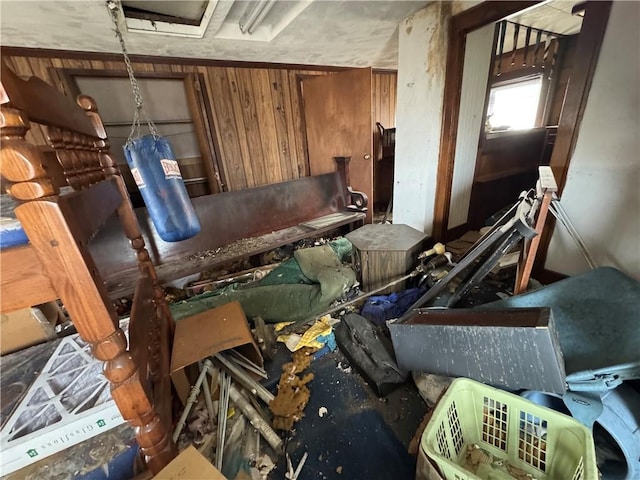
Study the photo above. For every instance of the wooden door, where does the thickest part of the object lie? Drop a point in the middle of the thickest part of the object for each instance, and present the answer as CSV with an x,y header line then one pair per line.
x,y
339,123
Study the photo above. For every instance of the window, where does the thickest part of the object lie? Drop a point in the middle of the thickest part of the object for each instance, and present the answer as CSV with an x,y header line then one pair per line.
x,y
514,106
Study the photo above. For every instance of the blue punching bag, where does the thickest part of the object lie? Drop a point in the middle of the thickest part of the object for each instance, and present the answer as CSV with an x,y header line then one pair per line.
x,y
153,165
156,172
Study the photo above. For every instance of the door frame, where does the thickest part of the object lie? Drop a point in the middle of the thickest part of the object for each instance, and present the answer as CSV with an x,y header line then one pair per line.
x,y
588,48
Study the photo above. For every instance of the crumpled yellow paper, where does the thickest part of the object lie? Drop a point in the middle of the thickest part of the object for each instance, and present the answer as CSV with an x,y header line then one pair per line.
x,y
321,328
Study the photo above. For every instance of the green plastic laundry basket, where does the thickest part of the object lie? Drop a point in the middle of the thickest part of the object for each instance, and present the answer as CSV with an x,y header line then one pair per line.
x,y
545,444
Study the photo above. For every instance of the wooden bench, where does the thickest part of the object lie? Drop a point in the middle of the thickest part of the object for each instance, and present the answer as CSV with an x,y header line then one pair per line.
x,y
235,225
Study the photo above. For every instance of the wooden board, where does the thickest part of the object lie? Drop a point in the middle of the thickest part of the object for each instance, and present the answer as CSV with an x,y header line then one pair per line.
x,y
23,280
339,123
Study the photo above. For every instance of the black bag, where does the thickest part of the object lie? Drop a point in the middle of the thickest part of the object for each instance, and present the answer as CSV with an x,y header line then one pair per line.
x,y
370,352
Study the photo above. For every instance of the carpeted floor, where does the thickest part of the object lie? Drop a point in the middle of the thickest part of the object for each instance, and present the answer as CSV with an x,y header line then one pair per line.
x,y
360,436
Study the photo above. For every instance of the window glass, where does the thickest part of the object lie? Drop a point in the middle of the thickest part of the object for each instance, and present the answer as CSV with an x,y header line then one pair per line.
x,y
514,106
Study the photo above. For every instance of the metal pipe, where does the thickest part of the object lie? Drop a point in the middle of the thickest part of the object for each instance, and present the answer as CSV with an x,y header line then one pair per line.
x,y
263,13
195,391
255,419
253,16
244,379
247,364
207,399
223,408
558,211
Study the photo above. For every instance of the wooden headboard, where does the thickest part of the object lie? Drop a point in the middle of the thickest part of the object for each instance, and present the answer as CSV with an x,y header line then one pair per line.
x,y
60,227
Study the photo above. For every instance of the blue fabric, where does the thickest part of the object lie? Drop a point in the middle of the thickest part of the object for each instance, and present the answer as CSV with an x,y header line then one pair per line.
x,y
157,175
11,233
379,309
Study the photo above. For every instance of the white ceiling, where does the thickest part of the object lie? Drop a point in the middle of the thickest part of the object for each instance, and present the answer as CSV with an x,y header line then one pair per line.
x,y
554,16
325,32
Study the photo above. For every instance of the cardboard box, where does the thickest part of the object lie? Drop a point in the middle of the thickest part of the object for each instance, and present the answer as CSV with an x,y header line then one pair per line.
x,y
205,334
189,465
27,327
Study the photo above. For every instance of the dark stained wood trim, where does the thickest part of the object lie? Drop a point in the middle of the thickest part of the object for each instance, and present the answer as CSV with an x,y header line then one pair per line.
x,y
487,93
303,118
461,24
154,59
105,72
547,277
456,232
205,133
208,116
515,75
71,86
594,25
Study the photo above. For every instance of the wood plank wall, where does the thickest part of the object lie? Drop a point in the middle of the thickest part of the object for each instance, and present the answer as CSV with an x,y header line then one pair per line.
x,y
257,112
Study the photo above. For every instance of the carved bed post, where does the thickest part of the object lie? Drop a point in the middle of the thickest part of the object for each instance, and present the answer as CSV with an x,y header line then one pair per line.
x,y
73,273
163,325
130,223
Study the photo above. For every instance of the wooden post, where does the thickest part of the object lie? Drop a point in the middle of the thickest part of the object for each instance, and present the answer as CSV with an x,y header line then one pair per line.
x,y
546,188
72,272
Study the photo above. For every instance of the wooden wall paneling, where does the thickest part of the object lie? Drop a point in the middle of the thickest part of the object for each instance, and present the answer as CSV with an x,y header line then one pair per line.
x,y
227,131
295,84
236,105
40,68
265,119
393,96
279,114
250,116
295,161
255,113
162,67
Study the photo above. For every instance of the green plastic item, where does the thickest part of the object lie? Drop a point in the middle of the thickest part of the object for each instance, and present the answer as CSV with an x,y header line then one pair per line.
x,y
305,286
289,272
514,431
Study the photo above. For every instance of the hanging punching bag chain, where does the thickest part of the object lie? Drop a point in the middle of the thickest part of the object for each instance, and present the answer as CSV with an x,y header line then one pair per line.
x,y
113,7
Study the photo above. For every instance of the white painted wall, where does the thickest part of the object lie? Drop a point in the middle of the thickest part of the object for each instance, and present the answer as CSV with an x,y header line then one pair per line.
x,y
602,193
477,60
423,41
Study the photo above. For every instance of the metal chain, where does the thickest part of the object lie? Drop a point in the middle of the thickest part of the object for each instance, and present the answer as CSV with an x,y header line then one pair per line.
x,y
137,94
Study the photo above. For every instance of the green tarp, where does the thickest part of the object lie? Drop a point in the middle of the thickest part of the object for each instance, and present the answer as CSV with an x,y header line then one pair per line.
x,y
301,287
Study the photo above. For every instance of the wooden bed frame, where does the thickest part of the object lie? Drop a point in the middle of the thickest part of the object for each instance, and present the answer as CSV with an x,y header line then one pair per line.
x,y
57,262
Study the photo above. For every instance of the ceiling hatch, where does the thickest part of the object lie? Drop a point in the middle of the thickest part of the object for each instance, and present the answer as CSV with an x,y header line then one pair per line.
x,y
185,18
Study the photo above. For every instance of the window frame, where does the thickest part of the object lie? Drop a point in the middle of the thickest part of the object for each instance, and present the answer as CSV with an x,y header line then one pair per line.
x,y
197,104
521,77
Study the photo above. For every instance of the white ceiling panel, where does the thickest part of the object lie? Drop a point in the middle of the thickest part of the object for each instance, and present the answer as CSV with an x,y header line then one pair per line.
x,y
326,32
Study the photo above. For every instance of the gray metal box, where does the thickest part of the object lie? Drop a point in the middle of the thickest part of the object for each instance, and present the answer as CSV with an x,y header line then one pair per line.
x,y
515,348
